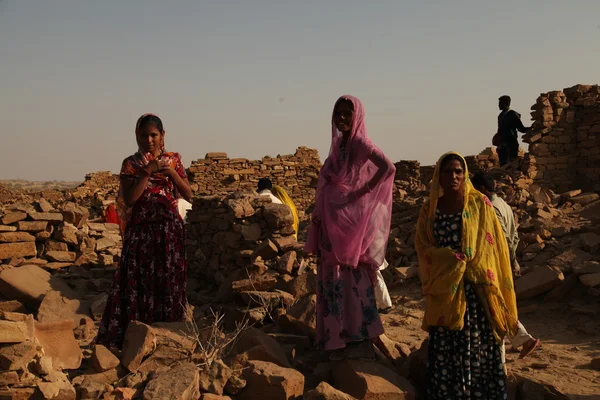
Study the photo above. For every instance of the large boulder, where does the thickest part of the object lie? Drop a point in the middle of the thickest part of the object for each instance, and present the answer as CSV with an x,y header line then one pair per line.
x,y
371,381
266,380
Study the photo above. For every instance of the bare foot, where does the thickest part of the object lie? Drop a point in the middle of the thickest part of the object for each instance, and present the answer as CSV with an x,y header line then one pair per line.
x,y
529,347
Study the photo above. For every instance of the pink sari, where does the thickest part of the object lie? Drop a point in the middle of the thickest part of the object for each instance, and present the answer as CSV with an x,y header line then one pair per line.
x,y
350,235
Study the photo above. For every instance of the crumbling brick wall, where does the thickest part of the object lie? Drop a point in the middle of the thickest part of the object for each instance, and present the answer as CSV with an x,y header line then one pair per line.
x,y
564,143
297,173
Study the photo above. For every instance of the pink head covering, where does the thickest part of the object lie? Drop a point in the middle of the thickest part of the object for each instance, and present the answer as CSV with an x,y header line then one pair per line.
x,y
345,230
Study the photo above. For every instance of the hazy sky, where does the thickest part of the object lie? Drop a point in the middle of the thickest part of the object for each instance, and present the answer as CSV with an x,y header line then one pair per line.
x,y
258,77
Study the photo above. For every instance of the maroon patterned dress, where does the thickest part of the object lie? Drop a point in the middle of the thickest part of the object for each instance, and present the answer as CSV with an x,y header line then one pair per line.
x,y
150,285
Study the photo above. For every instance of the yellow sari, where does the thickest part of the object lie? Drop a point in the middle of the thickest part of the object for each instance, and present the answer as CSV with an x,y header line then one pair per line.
x,y
287,200
484,261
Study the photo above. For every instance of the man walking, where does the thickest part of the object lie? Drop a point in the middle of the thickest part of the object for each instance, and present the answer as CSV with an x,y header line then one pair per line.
x,y
507,138
486,185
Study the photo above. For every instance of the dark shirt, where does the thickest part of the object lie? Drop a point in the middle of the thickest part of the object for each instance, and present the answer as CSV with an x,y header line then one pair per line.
x,y
509,122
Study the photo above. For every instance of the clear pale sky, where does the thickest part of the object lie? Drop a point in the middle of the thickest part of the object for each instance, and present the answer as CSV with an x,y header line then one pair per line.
x,y
258,77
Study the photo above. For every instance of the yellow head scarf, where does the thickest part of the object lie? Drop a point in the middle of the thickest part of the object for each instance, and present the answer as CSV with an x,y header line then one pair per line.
x,y
484,261
282,195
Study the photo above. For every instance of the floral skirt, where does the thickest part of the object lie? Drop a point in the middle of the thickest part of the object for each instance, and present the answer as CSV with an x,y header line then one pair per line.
x,y
150,285
467,364
346,305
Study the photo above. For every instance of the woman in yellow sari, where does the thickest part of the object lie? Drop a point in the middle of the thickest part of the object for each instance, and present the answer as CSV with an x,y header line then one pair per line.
x,y
470,304
282,195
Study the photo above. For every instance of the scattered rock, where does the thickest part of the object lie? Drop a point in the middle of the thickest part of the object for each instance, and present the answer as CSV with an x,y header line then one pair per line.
x,y
67,233
234,385
370,380
277,215
30,283
103,359
42,216
214,378
57,390
14,332
61,256
585,199
539,281
44,365
12,306
8,378
59,343
590,242
389,348
590,280
266,380
56,307
13,217
15,237
32,226
139,342
91,389
17,250
17,356
253,339
266,250
325,391
301,318
179,383
252,232
286,262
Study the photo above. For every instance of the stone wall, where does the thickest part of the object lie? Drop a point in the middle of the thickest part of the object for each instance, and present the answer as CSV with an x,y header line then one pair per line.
x,y
564,142
226,233
296,173
56,238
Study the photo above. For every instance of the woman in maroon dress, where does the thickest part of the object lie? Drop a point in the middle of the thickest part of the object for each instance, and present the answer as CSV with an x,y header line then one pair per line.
x,y
151,281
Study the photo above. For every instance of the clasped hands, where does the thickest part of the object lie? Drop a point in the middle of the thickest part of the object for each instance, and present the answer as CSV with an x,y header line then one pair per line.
x,y
161,167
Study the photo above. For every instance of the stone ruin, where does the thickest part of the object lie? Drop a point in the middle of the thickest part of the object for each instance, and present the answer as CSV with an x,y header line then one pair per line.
x,y
297,173
58,258
564,143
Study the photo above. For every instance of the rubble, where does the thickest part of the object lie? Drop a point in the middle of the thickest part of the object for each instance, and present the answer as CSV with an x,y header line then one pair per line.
x,y
245,268
270,381
563,142
370,380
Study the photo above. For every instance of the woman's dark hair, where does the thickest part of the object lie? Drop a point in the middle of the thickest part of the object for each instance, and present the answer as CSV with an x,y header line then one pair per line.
x,y
151,120
452,157
483,181
264,184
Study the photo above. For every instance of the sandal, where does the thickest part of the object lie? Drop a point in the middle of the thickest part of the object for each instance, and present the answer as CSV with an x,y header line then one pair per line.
x,y
528,349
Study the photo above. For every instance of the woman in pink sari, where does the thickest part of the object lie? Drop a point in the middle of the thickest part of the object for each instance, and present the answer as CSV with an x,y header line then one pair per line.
x,y
349,233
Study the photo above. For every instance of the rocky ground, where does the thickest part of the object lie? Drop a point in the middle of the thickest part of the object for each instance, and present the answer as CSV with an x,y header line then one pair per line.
x,y
569,335
251,324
